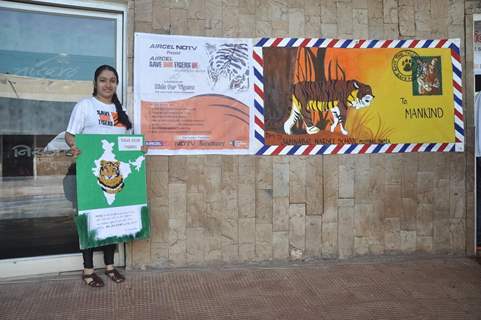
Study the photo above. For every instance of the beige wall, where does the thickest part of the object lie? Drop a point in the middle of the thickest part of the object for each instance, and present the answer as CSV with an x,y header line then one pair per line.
x,y
239,209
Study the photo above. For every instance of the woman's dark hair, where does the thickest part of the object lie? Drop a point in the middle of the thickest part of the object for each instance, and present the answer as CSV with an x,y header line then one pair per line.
x,y
123,118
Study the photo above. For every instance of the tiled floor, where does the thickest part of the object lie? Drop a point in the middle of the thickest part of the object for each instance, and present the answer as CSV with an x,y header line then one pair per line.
x,y
422,288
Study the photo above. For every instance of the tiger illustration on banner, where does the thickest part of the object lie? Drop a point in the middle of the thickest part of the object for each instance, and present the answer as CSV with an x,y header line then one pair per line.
x,y
334,96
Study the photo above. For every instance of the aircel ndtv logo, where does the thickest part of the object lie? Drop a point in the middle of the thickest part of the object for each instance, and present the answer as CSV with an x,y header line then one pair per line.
x,y
172,47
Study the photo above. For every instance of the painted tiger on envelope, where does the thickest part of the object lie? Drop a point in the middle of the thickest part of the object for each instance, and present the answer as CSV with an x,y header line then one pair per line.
x,y
334,96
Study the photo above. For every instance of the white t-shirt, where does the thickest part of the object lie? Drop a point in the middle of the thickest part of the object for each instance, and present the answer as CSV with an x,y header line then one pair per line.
x,y
91,116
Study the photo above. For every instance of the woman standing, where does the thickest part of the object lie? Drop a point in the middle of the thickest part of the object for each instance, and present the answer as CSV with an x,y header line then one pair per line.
x,y
100,114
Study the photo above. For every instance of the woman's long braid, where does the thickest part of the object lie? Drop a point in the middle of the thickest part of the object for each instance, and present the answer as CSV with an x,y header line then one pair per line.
x,y
123,118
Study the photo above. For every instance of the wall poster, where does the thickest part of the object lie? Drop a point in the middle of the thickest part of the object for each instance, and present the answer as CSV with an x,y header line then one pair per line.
x,y
193,95
329,96
111,190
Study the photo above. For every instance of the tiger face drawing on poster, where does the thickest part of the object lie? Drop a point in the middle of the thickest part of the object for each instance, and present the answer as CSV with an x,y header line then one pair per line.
x,y
110,179
334,96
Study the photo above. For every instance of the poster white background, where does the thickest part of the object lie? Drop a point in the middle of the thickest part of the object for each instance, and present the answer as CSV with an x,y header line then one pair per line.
x,y
172,68
114,222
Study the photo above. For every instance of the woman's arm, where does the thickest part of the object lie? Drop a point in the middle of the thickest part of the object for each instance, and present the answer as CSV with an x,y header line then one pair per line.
x,y
70,139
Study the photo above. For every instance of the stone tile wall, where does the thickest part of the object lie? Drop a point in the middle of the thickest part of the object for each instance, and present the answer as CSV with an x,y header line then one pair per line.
x,y
241,209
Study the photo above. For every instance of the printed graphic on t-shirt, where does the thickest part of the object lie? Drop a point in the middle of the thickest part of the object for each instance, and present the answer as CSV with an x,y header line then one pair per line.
x,y
106,119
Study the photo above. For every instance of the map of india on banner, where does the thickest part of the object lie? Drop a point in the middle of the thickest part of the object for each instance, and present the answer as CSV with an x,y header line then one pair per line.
x,y
111,190
325,96
193,95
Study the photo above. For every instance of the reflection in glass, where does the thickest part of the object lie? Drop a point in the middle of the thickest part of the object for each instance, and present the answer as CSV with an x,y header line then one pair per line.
x,y
51,46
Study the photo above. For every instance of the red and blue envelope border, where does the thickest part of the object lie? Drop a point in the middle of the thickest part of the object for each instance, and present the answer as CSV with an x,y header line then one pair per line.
x,y
259,142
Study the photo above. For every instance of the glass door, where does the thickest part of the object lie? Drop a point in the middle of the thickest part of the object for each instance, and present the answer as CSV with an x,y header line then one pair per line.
x,y
48,56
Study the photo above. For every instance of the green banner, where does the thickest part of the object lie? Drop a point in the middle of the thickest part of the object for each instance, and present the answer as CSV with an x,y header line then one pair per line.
x,y
111,190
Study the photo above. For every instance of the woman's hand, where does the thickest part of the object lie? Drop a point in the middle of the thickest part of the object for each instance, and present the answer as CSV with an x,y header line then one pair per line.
x,y
70,140
75,151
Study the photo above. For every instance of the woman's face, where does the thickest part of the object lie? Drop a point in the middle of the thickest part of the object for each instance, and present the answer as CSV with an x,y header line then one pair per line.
x,y
106,85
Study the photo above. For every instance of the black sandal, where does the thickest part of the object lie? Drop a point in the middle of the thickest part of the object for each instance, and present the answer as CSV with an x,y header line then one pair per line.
x,y
96,282
115,275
